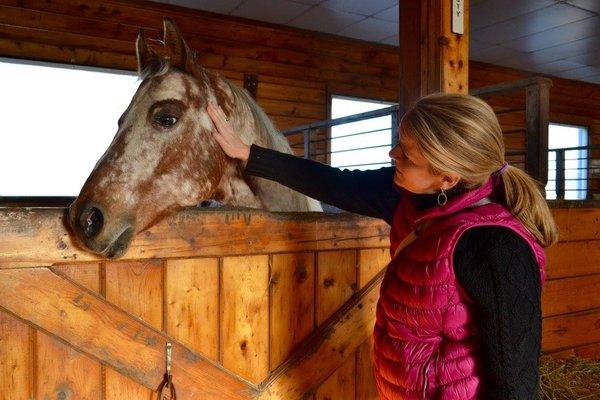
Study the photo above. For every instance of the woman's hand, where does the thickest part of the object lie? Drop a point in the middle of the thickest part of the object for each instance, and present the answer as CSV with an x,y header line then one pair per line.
x,y
230,142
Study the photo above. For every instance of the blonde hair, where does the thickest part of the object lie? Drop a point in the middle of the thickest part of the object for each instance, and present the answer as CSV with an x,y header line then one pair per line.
x,y
460,134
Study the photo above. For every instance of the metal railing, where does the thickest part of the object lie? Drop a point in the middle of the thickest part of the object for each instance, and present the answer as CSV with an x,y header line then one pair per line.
x,y
316,142
574,173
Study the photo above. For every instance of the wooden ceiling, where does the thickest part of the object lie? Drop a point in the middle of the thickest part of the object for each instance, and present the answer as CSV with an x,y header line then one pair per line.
x,y
554,37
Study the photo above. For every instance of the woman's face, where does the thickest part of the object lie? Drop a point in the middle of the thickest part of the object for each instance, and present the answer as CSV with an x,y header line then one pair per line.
x,y
413,171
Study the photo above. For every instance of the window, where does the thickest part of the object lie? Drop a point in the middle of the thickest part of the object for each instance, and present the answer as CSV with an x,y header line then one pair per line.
x,y
362,144
567,156
57,122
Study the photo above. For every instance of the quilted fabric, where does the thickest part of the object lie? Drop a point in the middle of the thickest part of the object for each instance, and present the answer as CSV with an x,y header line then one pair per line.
x,y
426,338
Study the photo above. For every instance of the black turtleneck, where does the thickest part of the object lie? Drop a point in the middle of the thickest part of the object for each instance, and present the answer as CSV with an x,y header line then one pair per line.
x,y
494,265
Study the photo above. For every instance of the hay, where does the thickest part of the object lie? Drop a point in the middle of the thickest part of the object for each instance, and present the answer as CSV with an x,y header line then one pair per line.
x,y
569,379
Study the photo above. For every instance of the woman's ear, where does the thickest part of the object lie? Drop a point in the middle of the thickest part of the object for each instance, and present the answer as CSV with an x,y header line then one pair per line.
x,y
449,180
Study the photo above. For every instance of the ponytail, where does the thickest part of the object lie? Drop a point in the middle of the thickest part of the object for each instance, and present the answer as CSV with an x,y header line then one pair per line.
x,y
526,202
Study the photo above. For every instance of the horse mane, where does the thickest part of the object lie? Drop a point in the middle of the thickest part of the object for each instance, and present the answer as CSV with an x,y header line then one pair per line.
x,y
266,129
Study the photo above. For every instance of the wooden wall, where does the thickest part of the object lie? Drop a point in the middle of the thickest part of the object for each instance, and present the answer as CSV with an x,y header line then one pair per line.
x,y
240,289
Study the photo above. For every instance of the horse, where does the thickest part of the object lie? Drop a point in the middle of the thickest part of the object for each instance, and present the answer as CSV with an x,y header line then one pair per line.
x,y
164,158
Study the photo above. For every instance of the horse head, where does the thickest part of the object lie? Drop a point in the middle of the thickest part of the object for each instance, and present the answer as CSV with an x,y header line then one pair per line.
x,y
163,156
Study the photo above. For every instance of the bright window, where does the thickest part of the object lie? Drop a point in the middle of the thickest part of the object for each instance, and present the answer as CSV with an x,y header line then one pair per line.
x,y
575,164
362,144
57,122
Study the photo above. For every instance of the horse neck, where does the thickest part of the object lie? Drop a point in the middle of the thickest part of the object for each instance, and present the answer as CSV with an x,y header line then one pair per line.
x,y
255,127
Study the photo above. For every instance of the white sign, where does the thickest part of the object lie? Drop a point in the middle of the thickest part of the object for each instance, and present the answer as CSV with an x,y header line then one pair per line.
x,y
458,16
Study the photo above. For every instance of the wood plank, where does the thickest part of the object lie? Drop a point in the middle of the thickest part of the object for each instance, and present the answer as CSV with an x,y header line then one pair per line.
x,y
63,372
38,236
370,263
144,14
90,323
292,307
137,288
571,330
341,384
192,304
590,351
562,264
336,281
326,349
366,388
569,295
577,223
245,316
16,358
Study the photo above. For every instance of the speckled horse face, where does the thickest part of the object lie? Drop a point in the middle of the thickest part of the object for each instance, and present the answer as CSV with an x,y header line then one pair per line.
x,y
162,158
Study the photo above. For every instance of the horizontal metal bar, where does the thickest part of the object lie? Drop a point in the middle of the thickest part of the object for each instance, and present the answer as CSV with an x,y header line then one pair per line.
x,y
347,150
362,165
343,120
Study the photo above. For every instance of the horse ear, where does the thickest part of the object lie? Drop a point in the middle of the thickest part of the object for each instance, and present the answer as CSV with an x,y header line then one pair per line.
x,y
144,54
177,50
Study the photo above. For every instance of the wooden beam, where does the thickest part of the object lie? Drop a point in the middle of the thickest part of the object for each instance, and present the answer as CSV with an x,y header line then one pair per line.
x,y
90,324
537,120
432,58
39,237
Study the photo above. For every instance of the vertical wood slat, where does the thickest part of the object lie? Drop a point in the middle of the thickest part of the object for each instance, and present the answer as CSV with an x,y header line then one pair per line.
x,y
341,384
192,304
61,371
366,388
291,315
370,262
244,301
336,283
136,287
15,358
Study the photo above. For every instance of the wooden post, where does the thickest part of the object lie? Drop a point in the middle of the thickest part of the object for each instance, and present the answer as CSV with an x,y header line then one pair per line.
x,y
432,57
537,118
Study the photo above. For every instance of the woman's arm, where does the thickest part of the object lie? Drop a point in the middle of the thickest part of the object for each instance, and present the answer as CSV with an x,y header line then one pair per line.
x,y
496,267
363,192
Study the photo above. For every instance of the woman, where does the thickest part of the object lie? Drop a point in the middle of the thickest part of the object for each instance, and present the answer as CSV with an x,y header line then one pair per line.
x,y
459,313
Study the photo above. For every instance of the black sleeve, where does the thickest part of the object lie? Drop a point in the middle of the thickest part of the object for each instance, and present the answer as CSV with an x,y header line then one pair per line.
x,y
498,270
368,193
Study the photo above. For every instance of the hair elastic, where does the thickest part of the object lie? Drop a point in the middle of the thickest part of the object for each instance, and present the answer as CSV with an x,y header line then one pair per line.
x,y
502,169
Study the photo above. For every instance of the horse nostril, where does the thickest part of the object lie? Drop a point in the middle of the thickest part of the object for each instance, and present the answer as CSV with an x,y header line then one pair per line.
x,y
91,222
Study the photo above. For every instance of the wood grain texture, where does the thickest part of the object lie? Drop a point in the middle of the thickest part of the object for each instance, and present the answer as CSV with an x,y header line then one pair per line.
x,y
292,303
370,263
245,316
61,371
38,237
336,281
366,388
122,341
192,304
341,384
16,358
137,288
326,349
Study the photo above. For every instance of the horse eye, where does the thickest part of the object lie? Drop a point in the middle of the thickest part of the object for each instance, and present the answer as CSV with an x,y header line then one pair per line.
x,y
165,121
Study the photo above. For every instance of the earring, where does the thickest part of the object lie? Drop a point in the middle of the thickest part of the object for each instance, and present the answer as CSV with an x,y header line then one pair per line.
x,y
442,198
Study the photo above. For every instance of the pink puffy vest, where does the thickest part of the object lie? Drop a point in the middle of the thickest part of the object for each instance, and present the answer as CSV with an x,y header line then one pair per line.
x,y
426,338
